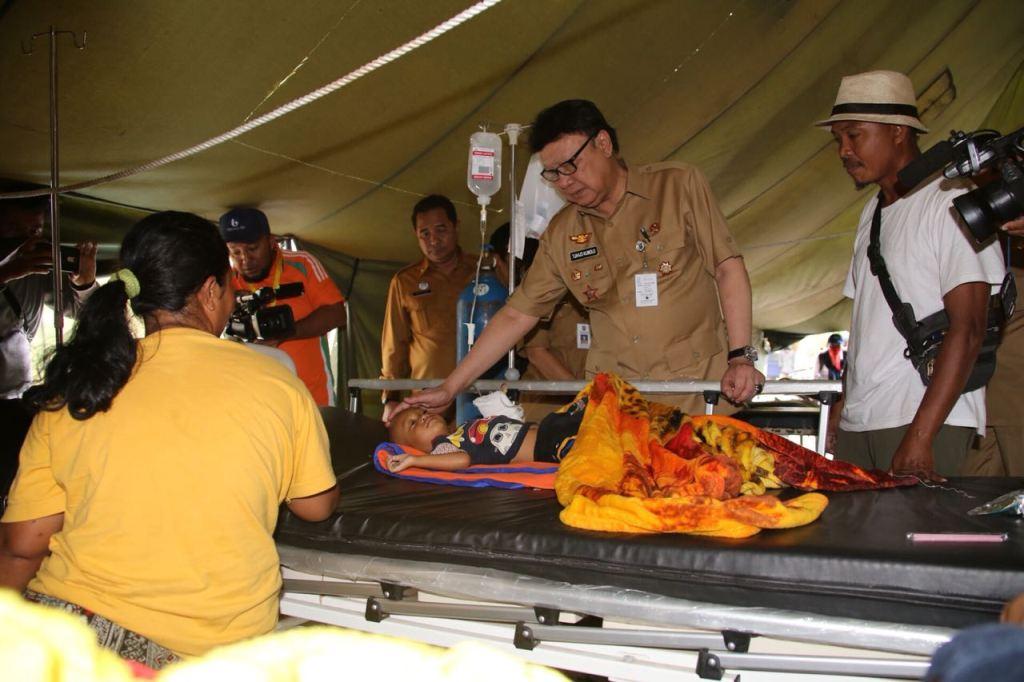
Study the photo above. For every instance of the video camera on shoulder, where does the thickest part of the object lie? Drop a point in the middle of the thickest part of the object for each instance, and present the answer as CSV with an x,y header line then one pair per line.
x,y
253,320
970,154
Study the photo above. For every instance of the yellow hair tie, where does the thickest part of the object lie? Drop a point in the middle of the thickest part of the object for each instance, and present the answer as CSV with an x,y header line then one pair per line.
x,y
131,282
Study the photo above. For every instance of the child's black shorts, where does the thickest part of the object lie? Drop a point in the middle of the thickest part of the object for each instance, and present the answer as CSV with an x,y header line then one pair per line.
x,y
557,433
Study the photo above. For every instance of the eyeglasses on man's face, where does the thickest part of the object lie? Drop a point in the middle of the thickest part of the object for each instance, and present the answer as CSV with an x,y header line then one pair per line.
x,y
567,167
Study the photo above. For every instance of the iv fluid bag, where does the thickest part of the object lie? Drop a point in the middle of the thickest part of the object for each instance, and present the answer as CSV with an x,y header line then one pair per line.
x,y
483,174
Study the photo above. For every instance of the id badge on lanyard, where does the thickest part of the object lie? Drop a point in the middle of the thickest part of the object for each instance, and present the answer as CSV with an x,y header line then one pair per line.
x,y
582,336
645,282
646,289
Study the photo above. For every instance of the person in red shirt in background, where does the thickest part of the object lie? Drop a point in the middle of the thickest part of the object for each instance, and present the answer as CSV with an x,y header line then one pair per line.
x,y
832,362
258,262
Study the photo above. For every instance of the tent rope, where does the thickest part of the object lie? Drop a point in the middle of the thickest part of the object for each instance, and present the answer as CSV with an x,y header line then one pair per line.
x,y
282,110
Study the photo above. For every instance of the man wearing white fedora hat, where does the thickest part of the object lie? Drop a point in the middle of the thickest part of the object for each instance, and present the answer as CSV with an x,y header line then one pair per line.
x,y
889,418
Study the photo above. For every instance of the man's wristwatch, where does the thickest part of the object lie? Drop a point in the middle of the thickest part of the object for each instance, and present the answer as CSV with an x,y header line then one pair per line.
x,y
748,352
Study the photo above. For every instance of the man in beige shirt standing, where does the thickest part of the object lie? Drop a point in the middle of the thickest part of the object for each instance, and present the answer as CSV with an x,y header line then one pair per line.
x,y
646,251
556,349
418,339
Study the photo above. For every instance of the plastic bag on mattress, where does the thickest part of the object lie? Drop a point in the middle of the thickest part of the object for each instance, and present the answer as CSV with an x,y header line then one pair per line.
x,y
1010,504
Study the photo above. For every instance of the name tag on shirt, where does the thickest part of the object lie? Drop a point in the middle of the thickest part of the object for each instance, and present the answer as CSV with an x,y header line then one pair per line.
x,y
646,289
582,336
582,253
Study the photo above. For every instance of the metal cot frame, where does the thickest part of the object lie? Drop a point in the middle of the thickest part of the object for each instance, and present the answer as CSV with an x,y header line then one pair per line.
x,y
601,630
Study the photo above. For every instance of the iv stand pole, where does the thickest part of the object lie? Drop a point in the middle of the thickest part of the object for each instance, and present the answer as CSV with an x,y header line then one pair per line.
x,y
58,294
513,130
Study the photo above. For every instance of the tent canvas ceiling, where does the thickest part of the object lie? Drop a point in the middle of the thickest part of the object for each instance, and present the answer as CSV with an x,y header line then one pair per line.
x,y
732,86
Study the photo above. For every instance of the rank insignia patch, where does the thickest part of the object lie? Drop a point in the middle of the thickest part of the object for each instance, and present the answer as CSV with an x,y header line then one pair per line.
x,y
664,267
581,238
576,275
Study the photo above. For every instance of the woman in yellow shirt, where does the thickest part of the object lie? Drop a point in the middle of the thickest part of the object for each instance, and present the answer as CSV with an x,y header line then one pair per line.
x,y
150,481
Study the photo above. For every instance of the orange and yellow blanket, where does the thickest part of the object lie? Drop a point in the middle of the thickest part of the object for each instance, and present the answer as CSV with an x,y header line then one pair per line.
x,y
644,467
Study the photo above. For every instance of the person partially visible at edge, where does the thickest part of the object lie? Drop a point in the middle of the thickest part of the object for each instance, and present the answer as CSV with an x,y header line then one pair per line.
x,y
990,651
259,262
501,247
888,418
1014,227
646,250
153,473
832,361
418,339
1001,451
26,285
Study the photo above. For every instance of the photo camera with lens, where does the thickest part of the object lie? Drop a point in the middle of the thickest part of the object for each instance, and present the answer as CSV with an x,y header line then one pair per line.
x,y
254,319
970,154
68,252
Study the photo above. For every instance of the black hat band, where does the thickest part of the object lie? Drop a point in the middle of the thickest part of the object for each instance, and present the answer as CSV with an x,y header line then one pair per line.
x,y
875,108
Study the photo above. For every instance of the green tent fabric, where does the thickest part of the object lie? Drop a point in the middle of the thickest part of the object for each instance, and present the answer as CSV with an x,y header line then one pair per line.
x,y
731,86
365,286
1008,112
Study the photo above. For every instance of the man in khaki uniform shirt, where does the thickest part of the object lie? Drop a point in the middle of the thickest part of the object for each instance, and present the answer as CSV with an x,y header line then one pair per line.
x,y
557,351
646,251
418,339
1001,451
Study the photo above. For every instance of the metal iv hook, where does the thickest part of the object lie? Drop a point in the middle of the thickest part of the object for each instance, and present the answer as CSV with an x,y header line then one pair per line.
x,y
29,47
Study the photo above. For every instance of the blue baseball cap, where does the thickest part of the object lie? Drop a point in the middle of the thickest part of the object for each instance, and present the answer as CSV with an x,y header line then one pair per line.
x,y
244,225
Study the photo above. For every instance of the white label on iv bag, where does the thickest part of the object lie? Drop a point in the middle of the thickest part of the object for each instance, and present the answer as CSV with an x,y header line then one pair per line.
x,y
482,163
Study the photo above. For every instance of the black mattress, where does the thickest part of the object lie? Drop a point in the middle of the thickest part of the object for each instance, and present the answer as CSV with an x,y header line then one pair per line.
x,y
855,561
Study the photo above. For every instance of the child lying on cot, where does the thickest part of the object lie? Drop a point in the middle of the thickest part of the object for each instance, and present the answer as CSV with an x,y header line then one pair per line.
x,y
487,440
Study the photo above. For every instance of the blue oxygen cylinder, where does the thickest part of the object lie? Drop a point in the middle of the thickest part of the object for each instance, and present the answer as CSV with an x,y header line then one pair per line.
x,y
471,319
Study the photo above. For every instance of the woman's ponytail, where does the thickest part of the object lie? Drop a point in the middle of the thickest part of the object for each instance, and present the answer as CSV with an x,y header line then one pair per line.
x,y
92,367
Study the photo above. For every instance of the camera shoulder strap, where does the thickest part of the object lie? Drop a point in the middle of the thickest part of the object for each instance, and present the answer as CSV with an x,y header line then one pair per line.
x,y
12,301
902,313
924,336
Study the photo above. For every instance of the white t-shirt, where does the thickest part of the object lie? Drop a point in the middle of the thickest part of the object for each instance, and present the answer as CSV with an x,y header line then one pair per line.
x,y
275,353
928,255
